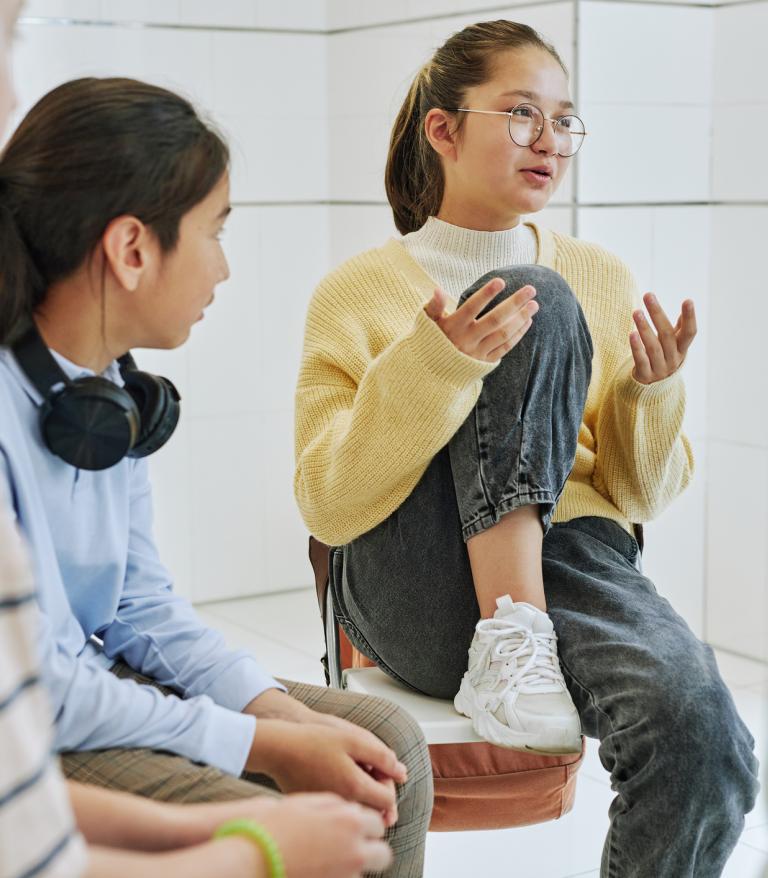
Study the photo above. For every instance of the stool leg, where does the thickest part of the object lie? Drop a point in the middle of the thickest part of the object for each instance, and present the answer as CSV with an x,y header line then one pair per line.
x,y
332,642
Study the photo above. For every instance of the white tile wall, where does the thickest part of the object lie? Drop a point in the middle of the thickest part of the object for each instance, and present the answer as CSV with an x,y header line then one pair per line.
x,y
737,550
738,316
677,70
739,61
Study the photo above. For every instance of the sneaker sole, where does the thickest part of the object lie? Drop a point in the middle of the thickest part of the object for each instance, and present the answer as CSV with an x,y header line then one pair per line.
x,y
490,729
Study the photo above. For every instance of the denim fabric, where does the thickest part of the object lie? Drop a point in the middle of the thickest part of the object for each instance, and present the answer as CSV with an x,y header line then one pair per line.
x,y
680,758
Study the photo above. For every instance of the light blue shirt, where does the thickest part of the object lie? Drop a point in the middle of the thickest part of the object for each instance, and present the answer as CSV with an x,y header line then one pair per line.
x,y
99,576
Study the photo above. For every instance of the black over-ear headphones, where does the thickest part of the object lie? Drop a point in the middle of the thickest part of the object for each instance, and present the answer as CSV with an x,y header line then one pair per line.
x,y
90,422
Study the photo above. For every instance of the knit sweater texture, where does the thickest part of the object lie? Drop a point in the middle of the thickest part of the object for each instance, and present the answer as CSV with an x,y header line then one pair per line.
x,y
381,390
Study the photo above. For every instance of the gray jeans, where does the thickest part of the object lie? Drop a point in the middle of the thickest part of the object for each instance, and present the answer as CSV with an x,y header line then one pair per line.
x,y
680,758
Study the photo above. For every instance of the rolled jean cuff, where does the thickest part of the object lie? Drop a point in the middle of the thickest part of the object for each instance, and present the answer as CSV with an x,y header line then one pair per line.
x,y
488,518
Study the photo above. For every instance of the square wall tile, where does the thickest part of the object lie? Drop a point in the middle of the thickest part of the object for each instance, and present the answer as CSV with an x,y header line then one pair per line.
x,y
231,13
223,348
244,357
354,228
353,13
558,219
293,259
179,60
296,15
673,557
625,161
171,494
609,63
739,62
227,504
737,556
736,175
738,314
625,231
285,564
276,159
682,238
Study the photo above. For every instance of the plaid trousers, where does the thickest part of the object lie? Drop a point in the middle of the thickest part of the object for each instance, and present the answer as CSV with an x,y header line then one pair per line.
x,y
169,778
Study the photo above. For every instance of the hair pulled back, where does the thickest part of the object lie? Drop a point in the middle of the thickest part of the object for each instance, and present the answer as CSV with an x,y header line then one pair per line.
x,y
89,151
414,177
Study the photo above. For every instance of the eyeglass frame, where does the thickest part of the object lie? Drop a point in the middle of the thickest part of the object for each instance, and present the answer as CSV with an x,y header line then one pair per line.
x,y
508,114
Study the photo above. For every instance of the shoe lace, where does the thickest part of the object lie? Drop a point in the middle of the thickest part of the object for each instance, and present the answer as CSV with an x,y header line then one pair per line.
x,y
533,653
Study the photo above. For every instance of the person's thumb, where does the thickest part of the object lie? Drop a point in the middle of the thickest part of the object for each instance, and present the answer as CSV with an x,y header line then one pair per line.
x,y
435,307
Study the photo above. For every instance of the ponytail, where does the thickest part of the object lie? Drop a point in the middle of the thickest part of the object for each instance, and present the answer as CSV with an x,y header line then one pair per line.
x,y
21,287
413,177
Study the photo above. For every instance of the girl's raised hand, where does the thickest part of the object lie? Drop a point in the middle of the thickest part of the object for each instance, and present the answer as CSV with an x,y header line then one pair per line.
x,y
657,356
490,336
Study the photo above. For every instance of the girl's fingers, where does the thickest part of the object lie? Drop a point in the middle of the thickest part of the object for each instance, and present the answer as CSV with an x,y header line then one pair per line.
x,y
435,307
651,343
502,313
469,310
510,330
666,332
642,371
496,353
688,328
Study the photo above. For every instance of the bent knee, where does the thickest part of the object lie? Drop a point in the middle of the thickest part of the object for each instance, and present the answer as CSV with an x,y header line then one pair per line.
x,y
557,303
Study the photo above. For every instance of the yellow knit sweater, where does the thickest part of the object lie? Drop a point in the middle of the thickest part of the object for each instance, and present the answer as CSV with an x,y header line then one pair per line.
x,y
381,390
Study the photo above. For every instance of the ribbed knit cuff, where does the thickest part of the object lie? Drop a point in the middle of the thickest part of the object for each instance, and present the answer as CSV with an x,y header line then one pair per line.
x,y
437,353
632,392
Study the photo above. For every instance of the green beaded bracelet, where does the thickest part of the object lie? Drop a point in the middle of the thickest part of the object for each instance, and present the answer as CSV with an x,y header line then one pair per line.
x,y
263,840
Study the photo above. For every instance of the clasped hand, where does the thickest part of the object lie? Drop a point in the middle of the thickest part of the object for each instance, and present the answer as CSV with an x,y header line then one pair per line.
x,y
304,750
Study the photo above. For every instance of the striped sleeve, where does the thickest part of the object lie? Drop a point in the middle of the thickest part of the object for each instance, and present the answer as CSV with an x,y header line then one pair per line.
x,y
37,832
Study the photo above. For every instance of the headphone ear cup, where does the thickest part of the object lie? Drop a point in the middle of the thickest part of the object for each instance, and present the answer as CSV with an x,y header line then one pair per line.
x,y
157,401
90,423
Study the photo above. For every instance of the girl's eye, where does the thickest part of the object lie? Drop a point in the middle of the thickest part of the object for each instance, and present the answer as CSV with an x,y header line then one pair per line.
x,y
565,121
521,111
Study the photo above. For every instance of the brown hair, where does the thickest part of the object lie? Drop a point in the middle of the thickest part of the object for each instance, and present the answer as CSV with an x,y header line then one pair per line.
x,y
89,151
414,175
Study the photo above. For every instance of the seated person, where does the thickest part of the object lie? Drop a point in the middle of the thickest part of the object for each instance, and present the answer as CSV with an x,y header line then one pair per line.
x,y
315,834
112,197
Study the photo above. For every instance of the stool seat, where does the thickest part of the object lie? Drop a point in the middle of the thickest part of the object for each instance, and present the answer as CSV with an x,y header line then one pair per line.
x,y
437,717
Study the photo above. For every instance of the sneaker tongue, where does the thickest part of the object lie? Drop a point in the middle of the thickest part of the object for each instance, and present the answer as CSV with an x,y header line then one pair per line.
x,y
523,614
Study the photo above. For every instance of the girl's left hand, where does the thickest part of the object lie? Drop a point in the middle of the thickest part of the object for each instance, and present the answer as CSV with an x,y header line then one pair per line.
x,y
659,356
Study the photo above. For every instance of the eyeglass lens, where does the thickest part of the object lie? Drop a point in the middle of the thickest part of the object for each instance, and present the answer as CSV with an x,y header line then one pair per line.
x,y
526,124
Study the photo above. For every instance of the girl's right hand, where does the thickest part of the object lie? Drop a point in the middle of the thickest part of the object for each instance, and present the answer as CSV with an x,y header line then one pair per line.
x,y
491,336
322,836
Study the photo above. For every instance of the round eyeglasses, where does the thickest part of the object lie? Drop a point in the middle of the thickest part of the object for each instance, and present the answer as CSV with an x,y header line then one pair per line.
x,y
526,125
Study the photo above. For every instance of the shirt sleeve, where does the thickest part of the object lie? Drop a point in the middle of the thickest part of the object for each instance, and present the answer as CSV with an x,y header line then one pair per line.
x,y
159,634
95,710
644,460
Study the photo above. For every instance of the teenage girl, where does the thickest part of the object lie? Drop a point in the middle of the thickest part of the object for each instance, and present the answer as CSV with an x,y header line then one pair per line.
x,y
483,413
113,194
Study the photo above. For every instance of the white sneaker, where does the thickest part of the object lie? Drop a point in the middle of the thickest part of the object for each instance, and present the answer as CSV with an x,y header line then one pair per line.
x,y
514,691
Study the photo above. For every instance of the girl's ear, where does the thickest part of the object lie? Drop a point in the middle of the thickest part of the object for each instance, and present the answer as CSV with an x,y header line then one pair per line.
x,y
438,126
127,245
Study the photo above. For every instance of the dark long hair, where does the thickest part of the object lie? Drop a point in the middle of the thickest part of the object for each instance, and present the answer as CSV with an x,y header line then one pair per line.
x,y
89,151
414,175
